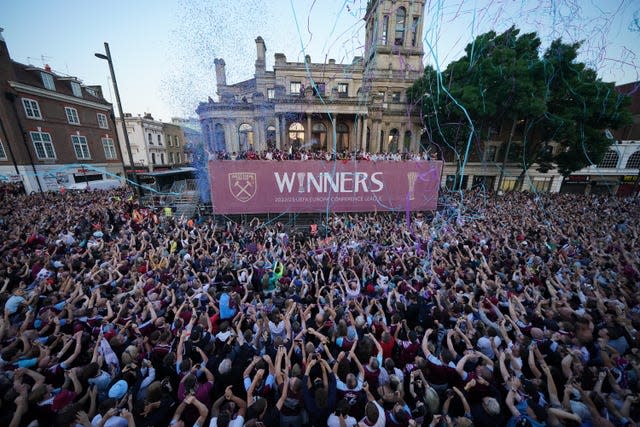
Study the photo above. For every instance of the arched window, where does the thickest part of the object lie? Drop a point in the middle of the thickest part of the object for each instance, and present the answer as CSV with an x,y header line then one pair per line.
x,y
392,143
634,161
610,160
296,135
406,146
401,18
318,137
271,137
219,143
245,137
342,137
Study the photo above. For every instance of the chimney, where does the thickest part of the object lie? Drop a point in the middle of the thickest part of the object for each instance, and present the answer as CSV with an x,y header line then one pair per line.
x,y
7,72
221,76
261,50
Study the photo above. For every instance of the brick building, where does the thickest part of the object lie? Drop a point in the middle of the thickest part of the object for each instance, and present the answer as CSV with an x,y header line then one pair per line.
x,y
54,131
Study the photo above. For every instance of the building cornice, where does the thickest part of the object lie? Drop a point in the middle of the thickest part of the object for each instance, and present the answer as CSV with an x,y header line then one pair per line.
x,y
31,90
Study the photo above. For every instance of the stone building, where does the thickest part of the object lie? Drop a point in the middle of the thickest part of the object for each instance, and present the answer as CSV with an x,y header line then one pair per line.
x,y
326,106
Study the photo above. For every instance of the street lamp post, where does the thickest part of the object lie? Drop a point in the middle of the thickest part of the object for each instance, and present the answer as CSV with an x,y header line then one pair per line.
x,y
107,57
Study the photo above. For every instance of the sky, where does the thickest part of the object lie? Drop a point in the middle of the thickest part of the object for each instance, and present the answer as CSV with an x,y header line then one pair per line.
x,y
163,51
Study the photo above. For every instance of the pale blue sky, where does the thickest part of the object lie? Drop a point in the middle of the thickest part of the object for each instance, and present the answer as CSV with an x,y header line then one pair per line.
x,y
163,50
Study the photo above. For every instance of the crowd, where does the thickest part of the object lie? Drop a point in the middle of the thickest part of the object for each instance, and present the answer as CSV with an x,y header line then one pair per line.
x,y
303,154
516,310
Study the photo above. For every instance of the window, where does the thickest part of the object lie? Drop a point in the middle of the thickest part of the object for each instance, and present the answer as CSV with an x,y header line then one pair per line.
x,y
31,108
392,140
72,115
541,185
245,137
102,121
295,88
296,133
395,97
171,158
162,158
634,161
177,141
153,158
159,139
76,89
385,29
80,147
318,89
318,136
414,30
508,183
271,136
3,154
47,81
271,93
490,153
343,90
109,149
169,141
92,92
179,158
43,145
150,139
401,15
342,137
610,160
219,142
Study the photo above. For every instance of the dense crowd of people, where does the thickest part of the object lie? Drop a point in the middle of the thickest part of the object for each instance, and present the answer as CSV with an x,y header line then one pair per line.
x,y
331,155
517,310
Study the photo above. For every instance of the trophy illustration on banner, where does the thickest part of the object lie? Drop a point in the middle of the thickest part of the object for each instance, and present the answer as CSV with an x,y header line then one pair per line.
x,y
411,177
301,176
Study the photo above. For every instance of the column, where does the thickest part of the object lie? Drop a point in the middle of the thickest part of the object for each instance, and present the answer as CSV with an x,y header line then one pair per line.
x,y
278,131
307,130
384,141
364,133
258,135
401,147
285,134
333,131
228,143
357,131
415,135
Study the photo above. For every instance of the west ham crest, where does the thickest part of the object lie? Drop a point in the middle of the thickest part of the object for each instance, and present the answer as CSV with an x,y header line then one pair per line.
x,y
242,185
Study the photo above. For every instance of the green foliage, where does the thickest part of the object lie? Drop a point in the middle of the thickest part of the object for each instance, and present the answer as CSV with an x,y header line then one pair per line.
x,y
502,79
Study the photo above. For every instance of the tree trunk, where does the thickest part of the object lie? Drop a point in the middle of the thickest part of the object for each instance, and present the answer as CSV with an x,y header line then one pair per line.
x,y
506,153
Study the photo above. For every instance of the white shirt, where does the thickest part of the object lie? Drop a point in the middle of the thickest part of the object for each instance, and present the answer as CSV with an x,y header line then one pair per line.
x,y
236,422
334,421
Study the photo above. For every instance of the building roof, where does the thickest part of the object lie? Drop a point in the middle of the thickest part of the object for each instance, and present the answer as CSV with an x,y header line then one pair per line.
x,y
32,76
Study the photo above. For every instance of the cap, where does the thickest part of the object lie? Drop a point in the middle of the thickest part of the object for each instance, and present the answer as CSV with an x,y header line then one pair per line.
x,y
118,390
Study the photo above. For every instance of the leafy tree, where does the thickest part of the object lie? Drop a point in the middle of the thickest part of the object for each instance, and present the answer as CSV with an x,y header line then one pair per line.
x,y
502,79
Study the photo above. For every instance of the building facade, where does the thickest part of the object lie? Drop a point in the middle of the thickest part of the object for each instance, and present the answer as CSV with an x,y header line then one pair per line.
x,y
619,170
326,106
54,131
154,145
362,106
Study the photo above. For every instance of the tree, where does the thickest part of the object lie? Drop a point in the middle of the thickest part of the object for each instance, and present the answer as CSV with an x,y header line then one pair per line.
x,y
580,108
501,80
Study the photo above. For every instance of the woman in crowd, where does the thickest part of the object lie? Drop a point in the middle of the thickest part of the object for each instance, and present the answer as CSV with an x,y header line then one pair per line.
x,y
513,310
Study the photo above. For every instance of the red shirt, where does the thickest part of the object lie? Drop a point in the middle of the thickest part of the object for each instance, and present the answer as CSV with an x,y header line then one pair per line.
x,y
387,348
